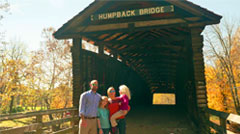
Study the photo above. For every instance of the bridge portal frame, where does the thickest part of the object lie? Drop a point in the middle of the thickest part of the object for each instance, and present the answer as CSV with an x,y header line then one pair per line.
x,y
182,24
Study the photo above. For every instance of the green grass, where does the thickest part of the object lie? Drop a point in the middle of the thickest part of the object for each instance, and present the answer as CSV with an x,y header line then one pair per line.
x,y
16,122
37,109
19,122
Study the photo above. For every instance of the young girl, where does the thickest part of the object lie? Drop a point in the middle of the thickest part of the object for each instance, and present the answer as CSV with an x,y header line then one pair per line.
x,y
103,116
124,98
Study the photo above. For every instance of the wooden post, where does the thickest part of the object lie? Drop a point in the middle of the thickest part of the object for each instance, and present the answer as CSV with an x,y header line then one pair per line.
x,y
115,55
39,120
101,49
101,69
77,70
199,78
189,84
89,69
74,122
84,73
223,125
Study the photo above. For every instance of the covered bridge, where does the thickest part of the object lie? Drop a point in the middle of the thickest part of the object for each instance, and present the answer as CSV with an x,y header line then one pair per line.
x,y
151,46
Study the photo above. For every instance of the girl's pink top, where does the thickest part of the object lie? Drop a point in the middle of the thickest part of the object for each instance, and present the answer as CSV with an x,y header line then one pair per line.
x,y
124,102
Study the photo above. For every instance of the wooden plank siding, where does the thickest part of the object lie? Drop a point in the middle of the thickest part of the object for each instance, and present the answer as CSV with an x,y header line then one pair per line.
x,y
200,84
199,78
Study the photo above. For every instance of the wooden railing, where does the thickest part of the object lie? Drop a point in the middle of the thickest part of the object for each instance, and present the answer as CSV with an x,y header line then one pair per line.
x,y
221,128
68,115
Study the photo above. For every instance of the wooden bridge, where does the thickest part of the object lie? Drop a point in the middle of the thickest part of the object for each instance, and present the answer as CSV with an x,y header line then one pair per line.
x,y
141,120
151,46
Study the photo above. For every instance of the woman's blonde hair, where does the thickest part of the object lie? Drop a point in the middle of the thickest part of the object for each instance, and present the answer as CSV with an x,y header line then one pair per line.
x,y
102,99
125,90
109,89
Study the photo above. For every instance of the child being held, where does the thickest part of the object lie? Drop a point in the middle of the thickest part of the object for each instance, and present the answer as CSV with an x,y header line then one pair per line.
x,y
124,98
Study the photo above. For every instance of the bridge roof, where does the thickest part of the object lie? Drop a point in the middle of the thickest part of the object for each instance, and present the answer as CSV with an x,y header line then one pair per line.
x,y
149,35
69,29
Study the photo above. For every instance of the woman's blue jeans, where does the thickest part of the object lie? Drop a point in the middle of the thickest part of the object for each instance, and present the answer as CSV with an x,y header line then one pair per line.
x,y
122,126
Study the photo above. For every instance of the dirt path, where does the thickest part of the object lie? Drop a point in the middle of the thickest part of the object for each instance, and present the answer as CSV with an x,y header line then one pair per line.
x,y
157,120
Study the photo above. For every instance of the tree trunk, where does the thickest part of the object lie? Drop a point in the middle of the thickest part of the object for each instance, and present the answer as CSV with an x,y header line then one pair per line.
x,y
11,104
235,87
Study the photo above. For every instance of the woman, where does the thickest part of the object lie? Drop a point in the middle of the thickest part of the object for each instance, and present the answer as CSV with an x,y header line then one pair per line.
x,y
113,107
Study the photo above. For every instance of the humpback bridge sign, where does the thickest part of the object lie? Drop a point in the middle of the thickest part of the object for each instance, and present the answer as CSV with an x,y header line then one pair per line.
x,y
132,13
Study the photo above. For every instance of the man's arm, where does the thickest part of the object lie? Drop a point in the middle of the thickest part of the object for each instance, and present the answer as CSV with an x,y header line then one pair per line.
x,y
82,105
82,109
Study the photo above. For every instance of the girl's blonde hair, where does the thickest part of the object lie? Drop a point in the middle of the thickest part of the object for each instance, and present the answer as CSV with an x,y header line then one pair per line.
x,y
102,99
125,90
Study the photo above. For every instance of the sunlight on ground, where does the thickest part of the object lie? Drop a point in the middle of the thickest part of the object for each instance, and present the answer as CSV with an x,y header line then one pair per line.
x,y
164,99
158,120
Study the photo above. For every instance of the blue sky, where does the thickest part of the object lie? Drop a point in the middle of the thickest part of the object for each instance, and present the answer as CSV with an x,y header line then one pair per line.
x,y
29,17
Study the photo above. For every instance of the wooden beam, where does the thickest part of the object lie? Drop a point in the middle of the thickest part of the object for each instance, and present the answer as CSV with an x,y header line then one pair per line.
x,y
159,40
157,71
152,62
101,49
159,90
137,30
158,65
159,22
149,59
138,24
113,37
154,55
203,24
153,50
103,36
151,74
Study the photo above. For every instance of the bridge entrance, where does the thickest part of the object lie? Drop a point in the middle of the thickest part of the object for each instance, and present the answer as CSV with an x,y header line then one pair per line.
x,y
151,46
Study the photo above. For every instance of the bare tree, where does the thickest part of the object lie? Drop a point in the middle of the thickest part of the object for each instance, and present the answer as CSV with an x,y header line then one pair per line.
x,y
4,8
219,48
56,63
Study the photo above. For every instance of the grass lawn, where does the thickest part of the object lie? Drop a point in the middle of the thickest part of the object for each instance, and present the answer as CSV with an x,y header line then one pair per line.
x,y
19,122
37,108
16,123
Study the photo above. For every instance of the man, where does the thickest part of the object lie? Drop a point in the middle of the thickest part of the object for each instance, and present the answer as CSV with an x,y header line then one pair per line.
x,y
88,106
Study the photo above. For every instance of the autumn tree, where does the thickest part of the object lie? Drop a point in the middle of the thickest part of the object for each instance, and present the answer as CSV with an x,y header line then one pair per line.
x,y
12,73
219,96
57,69
220,49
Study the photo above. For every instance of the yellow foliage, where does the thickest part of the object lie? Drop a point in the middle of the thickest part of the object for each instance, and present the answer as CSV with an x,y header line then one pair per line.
x,y
61,97
216,89
219,77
